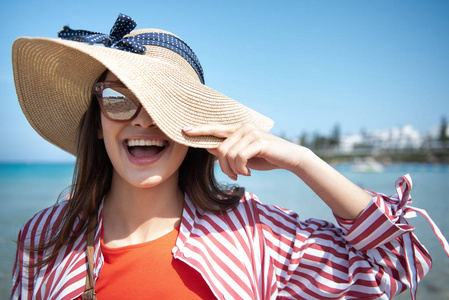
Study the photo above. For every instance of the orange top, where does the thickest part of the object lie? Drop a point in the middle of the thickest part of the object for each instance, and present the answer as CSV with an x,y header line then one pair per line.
x,y
149,271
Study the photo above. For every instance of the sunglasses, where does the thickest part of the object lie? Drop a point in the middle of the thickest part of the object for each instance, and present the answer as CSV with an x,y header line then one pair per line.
x,y
116,101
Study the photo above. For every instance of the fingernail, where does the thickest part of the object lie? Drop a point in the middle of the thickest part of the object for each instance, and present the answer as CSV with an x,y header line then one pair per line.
x,y
233,177
187,129
248,172
245,173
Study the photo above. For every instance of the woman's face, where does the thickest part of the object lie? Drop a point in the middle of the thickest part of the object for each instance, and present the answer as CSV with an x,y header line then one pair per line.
x,y
141,154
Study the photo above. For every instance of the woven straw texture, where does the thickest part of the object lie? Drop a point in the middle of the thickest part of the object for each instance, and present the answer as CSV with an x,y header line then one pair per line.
x,y
54,80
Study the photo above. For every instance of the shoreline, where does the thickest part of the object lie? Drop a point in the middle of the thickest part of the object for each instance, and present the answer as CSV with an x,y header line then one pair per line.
x,y
388,157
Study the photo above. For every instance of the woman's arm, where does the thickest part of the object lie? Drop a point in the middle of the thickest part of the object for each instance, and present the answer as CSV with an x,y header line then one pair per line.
x,y
246,147
379,255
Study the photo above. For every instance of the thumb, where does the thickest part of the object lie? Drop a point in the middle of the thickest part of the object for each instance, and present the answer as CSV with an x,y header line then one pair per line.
x,y
213,151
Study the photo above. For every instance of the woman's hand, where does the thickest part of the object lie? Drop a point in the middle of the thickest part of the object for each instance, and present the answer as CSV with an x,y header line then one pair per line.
x,y
246,147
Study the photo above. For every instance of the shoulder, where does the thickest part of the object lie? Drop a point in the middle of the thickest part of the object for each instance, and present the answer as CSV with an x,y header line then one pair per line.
x,y
277,221
250,203
42,225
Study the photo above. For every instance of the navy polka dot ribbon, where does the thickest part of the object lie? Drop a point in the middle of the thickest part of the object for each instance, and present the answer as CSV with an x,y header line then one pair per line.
x,y
135,44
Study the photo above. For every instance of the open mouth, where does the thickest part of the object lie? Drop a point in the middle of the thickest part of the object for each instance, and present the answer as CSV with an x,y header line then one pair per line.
x,y
140,148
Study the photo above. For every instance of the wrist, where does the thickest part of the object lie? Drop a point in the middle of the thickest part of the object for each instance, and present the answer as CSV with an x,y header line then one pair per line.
x,y
302,157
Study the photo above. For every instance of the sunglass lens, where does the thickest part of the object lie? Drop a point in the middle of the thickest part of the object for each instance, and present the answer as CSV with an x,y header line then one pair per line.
x,y
117,105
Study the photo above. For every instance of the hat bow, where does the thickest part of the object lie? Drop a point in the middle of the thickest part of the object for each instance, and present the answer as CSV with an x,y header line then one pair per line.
x,y
122,26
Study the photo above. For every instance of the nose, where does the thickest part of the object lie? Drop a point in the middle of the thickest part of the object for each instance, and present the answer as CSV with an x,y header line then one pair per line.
x,y
143,119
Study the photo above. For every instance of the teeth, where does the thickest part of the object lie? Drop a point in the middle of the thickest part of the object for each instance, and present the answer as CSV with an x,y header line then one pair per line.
x,y
158,143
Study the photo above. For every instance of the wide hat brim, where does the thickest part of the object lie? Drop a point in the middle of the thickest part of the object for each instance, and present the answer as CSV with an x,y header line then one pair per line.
x,y
54,79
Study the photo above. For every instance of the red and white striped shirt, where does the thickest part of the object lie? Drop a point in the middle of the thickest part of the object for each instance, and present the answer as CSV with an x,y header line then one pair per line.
x,y
258,251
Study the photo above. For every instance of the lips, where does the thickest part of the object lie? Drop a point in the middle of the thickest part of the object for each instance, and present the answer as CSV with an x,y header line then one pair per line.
x,y
145,150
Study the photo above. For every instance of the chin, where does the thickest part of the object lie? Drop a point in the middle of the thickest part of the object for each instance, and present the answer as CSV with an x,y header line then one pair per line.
x,y
149,182
156,179
144,179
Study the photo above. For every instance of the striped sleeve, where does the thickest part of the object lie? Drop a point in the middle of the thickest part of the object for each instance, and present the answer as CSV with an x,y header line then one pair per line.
x,y
64,276
28,281
34,233
376,256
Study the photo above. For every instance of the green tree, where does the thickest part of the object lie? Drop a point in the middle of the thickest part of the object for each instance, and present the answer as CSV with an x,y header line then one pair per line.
x,y
443,138
335,136
320,142
303,139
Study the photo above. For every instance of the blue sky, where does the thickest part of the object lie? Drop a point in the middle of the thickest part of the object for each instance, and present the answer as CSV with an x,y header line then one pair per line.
x,y
306,64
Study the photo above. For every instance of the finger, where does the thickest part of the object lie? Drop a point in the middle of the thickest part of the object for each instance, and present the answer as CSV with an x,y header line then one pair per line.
x,y
225,167
251,153
218,130
235,152
231,147
212,151
226,160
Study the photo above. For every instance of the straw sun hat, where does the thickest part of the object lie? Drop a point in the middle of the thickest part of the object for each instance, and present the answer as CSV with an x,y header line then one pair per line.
x,y
54,79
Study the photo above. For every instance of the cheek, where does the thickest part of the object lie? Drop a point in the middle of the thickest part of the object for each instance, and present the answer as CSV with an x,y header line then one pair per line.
x,y
108,133
176,156
108,128
181,153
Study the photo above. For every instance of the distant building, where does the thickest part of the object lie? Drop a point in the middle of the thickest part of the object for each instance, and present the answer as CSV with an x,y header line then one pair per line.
x,y
397,138
349,143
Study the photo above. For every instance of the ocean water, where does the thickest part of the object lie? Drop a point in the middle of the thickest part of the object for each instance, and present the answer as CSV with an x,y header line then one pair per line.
x,y
27,188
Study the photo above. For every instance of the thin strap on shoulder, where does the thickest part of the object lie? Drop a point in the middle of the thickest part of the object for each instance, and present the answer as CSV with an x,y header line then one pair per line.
x,y
89,291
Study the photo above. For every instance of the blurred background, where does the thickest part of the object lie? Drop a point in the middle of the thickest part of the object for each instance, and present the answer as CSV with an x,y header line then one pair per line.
x,y
363,84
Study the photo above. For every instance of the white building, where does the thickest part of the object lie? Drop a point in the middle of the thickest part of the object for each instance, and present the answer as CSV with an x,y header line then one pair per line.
x,y
397,138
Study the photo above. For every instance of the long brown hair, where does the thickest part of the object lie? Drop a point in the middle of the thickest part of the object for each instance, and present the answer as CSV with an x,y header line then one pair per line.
x,y
93,175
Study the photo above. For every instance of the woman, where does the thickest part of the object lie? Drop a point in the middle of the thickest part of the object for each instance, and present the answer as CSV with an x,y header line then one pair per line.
x,y
145,217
